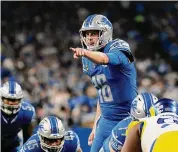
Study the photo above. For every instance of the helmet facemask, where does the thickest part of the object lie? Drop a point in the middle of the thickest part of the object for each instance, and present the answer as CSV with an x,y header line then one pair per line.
x,y
98,45
51,145
10,109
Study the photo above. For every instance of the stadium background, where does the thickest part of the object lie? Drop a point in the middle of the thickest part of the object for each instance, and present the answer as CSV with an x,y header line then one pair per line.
x,y
35,41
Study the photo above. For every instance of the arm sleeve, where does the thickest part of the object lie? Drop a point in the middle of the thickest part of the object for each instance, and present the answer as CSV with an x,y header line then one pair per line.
x,y
116,57
115,143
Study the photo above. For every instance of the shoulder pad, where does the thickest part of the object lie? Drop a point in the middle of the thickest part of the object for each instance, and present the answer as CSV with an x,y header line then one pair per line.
x,y
70,135
122,46
27,107
119,44
28,112
72,140
32,144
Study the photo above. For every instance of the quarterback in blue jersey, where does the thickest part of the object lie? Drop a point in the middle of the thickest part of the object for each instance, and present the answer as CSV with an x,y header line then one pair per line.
x,y
140,108
16,115
110,64
52,137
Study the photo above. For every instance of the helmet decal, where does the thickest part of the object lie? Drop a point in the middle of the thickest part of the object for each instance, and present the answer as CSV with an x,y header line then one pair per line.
x,y
141,105
88,21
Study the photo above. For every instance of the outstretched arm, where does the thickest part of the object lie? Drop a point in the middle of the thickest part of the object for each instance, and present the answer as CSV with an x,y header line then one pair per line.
x,y
132,142
96,57
114,57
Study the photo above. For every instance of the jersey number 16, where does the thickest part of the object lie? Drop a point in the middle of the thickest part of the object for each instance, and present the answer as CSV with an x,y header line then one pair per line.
x,y
104,90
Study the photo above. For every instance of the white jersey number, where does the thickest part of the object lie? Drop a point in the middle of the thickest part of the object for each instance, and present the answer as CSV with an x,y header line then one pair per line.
x,y
104,90
70,135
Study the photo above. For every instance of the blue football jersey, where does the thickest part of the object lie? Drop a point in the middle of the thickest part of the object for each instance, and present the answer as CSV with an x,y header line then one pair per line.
x,y
118,135
116,81
10,126
71,143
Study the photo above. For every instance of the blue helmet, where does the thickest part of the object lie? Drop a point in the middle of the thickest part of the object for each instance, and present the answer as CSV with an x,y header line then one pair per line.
x,y
165,105
141,105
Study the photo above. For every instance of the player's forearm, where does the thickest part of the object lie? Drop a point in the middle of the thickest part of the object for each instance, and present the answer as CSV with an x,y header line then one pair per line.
x,y
98,113
97,57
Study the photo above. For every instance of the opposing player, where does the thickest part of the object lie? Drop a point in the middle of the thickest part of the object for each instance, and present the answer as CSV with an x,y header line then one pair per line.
x,y
52,137
110,64
140,108
16,115
156,134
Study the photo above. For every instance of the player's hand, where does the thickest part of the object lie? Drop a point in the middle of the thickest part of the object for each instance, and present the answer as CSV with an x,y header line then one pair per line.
x,y
78,52
91,137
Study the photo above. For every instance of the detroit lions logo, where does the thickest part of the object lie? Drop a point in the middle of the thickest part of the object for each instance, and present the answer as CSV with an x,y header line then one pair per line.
x,y
104,22
42,128
134,106
138,106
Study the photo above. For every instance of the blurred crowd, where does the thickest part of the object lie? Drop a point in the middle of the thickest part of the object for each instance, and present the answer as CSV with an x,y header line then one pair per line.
x,y
35,42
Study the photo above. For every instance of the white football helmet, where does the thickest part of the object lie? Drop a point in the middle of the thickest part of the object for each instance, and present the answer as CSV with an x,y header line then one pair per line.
x,y
51,133
141,105
100,23
12,91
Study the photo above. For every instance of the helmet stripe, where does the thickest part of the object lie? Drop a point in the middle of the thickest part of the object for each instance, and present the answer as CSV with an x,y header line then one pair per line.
x,y
53,123
57,125
148,100
11,87
89,20
92,19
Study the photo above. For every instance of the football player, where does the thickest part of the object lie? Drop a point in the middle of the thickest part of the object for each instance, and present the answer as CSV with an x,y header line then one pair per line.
x,y
110,64
52,137
16,116
140,108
